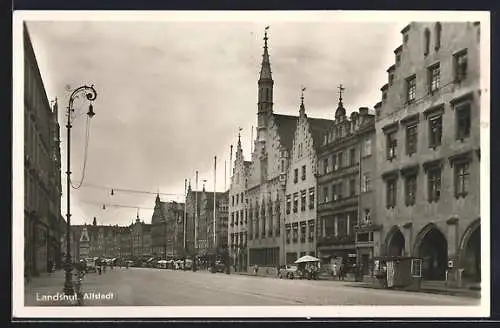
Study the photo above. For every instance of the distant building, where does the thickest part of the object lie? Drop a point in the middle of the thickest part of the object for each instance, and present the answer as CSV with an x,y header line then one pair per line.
x,y
43,223
428,150
238,210
205,235
142,247
167,232
193,200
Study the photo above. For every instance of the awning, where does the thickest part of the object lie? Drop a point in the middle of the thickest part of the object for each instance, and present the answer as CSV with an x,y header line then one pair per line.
x,y
307,258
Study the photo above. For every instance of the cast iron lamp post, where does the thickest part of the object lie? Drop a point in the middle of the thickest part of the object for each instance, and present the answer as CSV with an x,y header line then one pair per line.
x,y
91,95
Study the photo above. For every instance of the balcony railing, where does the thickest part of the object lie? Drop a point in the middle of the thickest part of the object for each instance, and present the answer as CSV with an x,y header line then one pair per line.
x,y
336,240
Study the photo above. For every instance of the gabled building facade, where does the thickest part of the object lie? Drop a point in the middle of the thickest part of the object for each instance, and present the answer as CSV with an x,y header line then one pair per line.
x,y
238,210
300,198
428,158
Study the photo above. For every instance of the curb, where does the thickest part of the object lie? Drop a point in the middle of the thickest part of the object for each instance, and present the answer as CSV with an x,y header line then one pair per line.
x,y
464,293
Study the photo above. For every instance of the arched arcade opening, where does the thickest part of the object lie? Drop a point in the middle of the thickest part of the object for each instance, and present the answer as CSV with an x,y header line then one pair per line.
x,y
395,242
432,247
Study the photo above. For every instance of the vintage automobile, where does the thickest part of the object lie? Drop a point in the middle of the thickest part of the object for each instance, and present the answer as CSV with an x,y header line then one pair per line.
x,y
289,272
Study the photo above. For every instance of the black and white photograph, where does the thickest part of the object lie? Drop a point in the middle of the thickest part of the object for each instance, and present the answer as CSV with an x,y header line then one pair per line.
x,y
251,164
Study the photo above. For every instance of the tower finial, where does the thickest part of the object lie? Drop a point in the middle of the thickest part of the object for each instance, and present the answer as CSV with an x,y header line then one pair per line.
x,y
265,36
302,107
341,89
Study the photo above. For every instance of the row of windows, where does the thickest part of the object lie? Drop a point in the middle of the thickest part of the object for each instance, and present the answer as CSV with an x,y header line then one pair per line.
x,y
435,131
340,225
296,174
434,76
336,190
307,232
338,160
239,198
303,197
461,185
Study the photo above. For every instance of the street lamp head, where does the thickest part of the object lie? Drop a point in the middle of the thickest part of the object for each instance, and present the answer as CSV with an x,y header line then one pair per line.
x,y
91,113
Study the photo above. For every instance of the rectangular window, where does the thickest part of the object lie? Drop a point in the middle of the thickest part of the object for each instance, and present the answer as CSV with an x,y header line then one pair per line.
x,y
340,160
335,163
410,189
325,165
461,179
352,156
434,183
460,63
232,200
340,190
392,145
391,193
463,121
325,194
411,88
303,195
436,130
411,139
303,232
311,230
295,202
368,147
303,172
398,59
295,236
434,77
366,182
311,198
391,78
237,199
352,187
295,175
288,204
334,192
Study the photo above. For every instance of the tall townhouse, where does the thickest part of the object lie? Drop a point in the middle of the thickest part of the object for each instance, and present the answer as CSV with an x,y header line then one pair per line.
x,y
345,199
238,210
428,150
300,201
42,171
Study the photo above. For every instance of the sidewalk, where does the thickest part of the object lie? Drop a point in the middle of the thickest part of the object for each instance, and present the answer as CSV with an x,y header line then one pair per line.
x,y
431,287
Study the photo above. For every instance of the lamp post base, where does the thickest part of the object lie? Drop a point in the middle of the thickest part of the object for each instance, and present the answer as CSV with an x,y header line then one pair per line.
x,y
68,283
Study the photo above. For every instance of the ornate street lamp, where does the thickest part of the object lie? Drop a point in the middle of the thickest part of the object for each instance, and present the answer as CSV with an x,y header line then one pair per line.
x,y
91,95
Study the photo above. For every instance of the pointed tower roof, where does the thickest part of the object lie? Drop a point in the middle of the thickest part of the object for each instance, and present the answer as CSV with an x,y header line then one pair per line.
x,y
265,70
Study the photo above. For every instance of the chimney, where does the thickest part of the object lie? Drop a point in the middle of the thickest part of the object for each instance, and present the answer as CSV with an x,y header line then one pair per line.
x,y
363,111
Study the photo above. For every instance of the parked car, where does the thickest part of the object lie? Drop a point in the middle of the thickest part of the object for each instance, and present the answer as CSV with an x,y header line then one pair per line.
x,y
289,272
90,264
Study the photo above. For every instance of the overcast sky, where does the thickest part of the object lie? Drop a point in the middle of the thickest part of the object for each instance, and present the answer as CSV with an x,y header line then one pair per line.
x,y
171,95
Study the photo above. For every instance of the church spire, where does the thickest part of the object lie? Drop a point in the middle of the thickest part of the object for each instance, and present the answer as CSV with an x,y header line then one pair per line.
x,y
265,97
265,70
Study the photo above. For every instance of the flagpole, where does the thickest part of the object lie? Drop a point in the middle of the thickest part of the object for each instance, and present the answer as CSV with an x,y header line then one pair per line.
x,y
251,144
185,214
225,177
196,215
215,184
